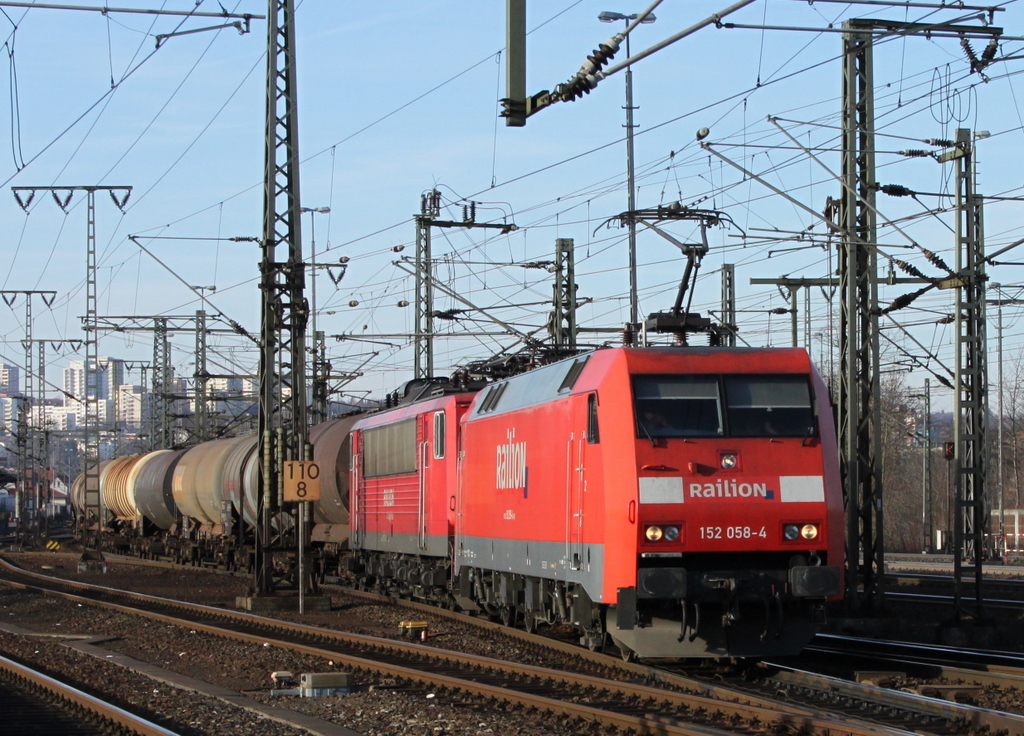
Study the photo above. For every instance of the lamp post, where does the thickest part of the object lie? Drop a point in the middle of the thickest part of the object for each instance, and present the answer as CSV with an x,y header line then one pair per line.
x,y
610,17
313,212
202,293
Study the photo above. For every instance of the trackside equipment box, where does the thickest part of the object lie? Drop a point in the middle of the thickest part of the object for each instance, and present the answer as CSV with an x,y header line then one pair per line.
x,y
316,684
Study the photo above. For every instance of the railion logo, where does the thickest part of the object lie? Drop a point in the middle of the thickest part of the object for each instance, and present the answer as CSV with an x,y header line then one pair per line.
x,y
511,463
730,489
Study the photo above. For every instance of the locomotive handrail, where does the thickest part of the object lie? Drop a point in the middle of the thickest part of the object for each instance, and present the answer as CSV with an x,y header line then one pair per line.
x,y
424,480
568,498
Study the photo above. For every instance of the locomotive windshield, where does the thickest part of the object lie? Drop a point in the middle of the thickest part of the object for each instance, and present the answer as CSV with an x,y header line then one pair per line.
x,y
717,406
678,406
773,406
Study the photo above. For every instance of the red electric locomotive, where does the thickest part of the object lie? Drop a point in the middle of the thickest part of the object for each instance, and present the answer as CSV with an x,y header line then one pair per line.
x,y
404,471
684,501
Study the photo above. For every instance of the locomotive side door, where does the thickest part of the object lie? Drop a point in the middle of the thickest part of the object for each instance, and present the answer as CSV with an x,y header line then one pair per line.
x,y
357,513
456,501
423,471
576,482
434,463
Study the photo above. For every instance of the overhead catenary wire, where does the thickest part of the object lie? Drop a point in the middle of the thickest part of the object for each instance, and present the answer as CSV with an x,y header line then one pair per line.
x,y
611,190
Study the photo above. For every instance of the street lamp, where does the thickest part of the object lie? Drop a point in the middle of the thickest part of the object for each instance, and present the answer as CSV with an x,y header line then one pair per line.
x,y
313,211
610,17
202,293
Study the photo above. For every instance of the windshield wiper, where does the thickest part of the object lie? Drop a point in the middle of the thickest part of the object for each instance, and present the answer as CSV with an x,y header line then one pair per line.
x,y
640,423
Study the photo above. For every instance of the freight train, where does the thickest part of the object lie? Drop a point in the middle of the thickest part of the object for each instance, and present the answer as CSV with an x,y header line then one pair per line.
x,y
679,502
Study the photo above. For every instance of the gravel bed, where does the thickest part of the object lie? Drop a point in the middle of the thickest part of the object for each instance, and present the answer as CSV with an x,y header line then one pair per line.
x,y
348,613
383,710
377,710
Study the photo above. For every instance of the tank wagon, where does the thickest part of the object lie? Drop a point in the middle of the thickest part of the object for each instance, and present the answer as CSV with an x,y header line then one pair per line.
x,y
681,502
198,506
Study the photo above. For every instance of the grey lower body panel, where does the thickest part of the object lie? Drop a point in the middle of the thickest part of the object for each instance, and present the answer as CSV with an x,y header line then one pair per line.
x,y
407,544
574,563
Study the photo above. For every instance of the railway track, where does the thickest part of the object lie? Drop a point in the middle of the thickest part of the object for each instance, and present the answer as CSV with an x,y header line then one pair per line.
x,y
993,585
588,698
603,689
969,666
34,704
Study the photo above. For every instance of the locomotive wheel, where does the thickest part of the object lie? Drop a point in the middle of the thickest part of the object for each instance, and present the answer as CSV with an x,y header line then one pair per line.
x,y
529,621
627,654
594,636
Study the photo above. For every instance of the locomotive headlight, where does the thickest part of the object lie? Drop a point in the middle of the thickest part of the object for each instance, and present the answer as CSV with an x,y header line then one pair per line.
x,y
671,533
728,460
793,532
654,533
809,531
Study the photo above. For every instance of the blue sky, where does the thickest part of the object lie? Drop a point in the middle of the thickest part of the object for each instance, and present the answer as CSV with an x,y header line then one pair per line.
x,y
398,97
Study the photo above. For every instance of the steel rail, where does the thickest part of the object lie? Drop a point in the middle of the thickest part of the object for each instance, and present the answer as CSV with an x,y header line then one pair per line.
x,y
652,672
947,600
647,672
797,718
94,706
958,661
975,719
998,676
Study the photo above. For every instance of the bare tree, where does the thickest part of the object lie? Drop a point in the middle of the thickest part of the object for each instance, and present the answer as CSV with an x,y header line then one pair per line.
x,y
901,464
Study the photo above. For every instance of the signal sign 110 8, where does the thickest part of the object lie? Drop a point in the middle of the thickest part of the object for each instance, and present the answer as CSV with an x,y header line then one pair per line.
x,y
301,480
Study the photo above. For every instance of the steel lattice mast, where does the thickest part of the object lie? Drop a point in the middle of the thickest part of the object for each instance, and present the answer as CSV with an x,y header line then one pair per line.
x,y
859,387
971,406
90,521
282,370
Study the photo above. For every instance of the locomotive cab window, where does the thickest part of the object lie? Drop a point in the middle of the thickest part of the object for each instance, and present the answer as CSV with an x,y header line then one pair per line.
x,y
593,431
769,406
439,425
677,406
